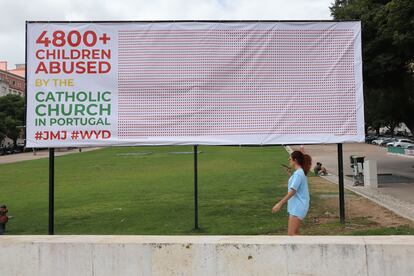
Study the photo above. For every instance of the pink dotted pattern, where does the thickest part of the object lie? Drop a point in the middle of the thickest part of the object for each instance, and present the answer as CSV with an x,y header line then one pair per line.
x,y
236,82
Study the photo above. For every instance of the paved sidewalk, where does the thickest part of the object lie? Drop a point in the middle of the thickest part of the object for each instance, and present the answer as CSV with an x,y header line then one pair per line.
x,y
44,153
396,196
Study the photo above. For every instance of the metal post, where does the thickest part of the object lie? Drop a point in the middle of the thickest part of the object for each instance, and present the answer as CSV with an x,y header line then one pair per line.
x,y
341,184
51,191
195,189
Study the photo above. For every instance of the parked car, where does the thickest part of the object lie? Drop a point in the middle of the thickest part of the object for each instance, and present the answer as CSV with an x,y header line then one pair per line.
x,y
11,150
8,150
387,141
400,143
370,138
378,141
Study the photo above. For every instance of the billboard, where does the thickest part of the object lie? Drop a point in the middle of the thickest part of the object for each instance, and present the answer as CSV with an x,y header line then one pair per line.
x,y
186,83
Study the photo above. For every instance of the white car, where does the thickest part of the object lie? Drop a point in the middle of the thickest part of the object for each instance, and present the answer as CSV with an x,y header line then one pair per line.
x,y
378,141
409,146
402,143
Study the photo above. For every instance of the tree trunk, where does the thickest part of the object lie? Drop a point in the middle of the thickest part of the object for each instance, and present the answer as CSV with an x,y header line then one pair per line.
x,y
392,128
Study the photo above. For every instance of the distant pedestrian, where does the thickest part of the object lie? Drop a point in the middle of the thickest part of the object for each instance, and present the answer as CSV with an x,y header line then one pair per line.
x,y
297,198
3,218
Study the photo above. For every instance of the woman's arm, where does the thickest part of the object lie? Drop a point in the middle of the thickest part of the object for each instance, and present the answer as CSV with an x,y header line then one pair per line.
x,y
280,204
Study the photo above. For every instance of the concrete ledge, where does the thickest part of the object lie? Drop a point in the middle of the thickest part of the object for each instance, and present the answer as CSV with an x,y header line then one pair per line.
x,y
206,255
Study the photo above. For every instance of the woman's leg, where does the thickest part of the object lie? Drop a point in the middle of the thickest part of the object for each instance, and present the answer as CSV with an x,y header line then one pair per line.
x,y
294,225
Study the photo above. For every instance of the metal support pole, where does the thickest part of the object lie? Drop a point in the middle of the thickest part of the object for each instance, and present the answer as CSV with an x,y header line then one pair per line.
x,y
341,184
195,189
51,191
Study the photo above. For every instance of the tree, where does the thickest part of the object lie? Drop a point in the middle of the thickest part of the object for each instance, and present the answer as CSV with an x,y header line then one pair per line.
x,y
388,58
3,129
11,117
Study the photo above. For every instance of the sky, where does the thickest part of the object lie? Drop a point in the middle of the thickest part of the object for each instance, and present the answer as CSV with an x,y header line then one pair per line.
x,y
14,13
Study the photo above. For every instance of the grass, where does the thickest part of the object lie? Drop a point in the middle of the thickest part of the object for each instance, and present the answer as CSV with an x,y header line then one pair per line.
x,y
119,191
149,190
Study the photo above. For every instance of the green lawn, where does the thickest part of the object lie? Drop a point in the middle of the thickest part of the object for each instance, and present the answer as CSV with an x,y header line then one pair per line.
x,y
149,190
121,191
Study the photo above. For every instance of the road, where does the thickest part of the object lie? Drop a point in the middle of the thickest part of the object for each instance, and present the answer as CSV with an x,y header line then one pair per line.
x,y
399,185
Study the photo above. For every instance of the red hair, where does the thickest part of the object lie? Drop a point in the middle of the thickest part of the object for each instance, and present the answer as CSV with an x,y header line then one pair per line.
x,y
304,160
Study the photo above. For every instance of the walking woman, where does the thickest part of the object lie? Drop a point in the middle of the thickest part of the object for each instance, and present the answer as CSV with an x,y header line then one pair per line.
x,y
297,197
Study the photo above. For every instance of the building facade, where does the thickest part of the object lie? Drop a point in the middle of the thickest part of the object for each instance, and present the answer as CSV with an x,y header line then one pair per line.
x,y
12,81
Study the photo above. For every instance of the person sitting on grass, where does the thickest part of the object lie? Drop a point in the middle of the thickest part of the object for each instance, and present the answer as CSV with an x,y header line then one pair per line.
x,y
319,169
297,197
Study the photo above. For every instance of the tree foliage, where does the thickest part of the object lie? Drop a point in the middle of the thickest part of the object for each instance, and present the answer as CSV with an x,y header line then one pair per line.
x,y
11,117
388,58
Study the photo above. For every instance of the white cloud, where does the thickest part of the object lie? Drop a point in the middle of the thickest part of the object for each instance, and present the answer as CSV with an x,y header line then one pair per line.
x,y
14,13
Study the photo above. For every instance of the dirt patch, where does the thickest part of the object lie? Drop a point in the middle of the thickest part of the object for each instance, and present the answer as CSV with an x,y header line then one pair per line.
x,y
360,206
361,213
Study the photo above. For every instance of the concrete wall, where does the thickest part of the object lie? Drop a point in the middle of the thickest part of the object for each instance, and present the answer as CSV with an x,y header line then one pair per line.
x,y
206,255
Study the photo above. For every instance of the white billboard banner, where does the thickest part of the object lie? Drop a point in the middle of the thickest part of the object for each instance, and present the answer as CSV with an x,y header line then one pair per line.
x,y
186,83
